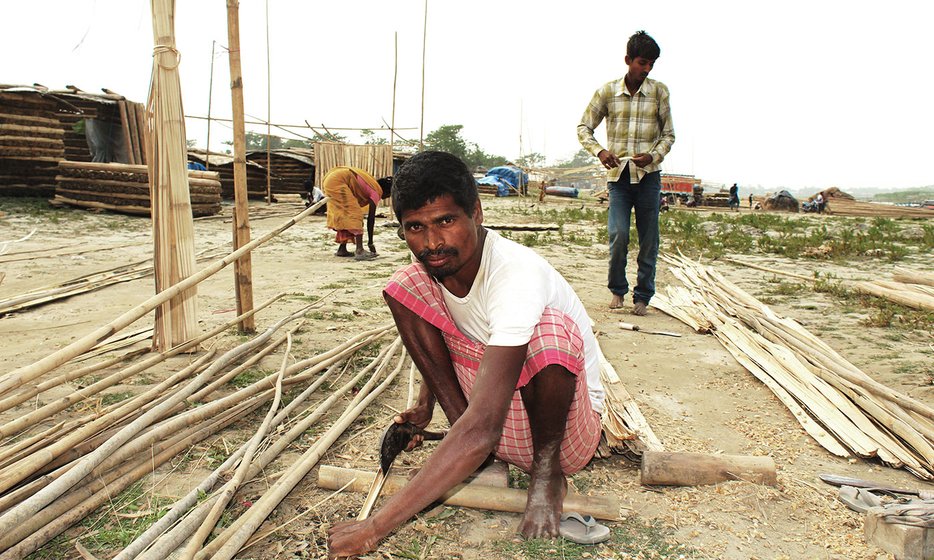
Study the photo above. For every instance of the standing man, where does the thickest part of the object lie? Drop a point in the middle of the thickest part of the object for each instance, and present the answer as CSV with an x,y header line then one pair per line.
x,y
639,136
503,344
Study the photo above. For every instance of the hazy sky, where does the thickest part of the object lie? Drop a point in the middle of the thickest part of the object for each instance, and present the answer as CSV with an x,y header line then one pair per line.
x,y
792,93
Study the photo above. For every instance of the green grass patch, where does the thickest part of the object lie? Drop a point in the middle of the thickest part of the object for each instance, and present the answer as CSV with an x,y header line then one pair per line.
x,y
113,398
249,377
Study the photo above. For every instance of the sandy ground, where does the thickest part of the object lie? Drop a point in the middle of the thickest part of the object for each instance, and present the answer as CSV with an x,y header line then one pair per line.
x,y
696,397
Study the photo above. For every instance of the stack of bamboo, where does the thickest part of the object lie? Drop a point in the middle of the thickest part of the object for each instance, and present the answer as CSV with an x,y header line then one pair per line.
x,y
844,409
911,288
375,159
290,168
255,179
52,476
125,188
31,143
845,207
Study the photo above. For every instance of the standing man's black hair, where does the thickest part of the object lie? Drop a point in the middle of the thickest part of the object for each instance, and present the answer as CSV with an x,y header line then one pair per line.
x,y
429,175
641,44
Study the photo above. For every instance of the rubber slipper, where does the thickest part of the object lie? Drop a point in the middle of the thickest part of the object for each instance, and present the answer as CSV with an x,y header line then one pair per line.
x,y
858,499
582,529
365,257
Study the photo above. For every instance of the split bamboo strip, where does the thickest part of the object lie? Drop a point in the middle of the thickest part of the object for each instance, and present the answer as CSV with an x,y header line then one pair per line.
x,y
914,300
170,541
28,373
89,462
173,229
909,276
13,400
622,420
228,543
229,489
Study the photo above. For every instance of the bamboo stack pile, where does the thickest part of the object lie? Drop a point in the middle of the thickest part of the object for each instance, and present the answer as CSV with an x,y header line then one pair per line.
x,y
31,144
375,159
717,199
125,188
841,407
846,207
255,177
53,476
914,289
290,168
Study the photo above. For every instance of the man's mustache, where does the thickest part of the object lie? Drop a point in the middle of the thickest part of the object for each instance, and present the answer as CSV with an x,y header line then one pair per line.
x,y
427,253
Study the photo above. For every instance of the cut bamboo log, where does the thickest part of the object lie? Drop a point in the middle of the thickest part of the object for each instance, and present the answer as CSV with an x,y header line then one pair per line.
x,y
469,495
665,468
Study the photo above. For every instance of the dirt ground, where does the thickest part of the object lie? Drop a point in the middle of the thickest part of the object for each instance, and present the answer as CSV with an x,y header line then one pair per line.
x,y
693,393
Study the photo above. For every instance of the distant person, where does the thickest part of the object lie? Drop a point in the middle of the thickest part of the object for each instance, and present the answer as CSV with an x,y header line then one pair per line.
x,y
750,200
820,203
734,197
349,191
640,134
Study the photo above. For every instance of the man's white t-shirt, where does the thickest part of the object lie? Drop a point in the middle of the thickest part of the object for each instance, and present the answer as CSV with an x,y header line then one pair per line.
x,y
513,287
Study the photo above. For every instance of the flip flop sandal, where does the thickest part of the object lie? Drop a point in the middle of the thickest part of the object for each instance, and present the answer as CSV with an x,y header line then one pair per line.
x,y
365,257
858,499
582,529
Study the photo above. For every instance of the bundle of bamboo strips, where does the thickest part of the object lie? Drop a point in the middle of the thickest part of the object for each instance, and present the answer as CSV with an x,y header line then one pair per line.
x,y
173,229
72,469
374,159
624,426
844,409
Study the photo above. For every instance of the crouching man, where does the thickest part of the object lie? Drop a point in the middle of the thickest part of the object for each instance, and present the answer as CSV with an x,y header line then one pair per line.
x,y
504,345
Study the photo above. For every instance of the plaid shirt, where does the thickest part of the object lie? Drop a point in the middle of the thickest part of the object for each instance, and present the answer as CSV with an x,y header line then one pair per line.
x,y
635,124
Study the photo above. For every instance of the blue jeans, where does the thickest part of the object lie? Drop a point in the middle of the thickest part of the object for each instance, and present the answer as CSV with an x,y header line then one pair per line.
x,y
644,198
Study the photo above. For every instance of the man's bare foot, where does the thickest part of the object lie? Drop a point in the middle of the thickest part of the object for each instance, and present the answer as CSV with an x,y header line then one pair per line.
x,y
616,302
639,308
542,517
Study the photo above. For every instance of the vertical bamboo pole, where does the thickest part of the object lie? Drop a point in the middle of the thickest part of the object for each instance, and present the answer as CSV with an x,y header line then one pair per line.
x,y
172,225
421,126
243,268
207,148
268,115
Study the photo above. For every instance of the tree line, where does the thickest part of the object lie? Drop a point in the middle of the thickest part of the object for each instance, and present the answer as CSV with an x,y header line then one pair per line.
x,y
447,138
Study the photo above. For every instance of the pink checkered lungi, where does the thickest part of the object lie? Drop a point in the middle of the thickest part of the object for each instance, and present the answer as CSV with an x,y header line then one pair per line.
x,y
555,340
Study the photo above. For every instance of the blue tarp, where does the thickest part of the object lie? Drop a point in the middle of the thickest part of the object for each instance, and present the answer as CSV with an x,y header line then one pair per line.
x,y
512,175
502,187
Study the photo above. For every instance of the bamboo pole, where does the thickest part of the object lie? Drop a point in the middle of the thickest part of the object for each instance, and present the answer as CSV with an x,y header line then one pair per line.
x,y
164,546
229,489
243,268
228,543
30,372
89,462
470,495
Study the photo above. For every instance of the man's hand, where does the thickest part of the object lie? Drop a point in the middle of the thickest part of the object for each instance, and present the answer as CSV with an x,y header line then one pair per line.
x,y
608,159
351,538
420,415
641,160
